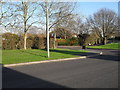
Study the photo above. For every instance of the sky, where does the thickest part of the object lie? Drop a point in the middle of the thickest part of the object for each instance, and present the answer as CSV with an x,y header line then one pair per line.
x,y
88,8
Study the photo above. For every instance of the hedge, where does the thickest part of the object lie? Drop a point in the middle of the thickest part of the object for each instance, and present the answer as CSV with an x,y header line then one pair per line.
x,y
14,41
68,42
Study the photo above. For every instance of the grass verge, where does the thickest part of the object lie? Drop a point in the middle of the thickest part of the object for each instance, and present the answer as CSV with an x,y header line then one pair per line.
x,y
21,56
107,46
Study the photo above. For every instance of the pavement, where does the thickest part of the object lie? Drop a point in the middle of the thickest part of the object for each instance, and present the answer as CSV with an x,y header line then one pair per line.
x,y
99,71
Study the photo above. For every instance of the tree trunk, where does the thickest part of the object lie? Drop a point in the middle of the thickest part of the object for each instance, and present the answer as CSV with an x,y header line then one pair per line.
x,y
99,40
54,46
25,40
65,35
104,40
95,41
25,22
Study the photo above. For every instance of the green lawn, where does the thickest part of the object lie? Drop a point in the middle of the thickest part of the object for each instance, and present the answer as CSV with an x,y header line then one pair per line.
x,y
107,46
20,56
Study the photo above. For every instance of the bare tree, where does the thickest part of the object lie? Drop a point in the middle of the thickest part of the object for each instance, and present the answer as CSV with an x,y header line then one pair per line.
x,y
27,15
75,24
5,14
56,12
62,32
22,16
19,15
104,23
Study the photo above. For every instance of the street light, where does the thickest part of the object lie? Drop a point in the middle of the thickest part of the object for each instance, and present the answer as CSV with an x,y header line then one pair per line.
x,y
47,27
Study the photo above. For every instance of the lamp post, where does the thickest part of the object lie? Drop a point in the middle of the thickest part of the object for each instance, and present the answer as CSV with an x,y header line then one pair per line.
x,y
47,27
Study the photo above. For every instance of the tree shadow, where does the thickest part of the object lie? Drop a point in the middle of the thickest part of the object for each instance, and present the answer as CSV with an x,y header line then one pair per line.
x,y
15,79
63,51
72,48
111,57
106,57
33,53
102,49
117,52
74,53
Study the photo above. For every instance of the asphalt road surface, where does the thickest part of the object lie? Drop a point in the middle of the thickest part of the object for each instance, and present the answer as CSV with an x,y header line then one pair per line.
x,y
100,71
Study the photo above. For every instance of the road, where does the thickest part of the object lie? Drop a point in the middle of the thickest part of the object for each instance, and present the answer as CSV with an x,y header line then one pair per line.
x,y
100,71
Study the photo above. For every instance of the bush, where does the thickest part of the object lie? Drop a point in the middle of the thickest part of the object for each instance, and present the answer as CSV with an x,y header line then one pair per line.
x,y
9,41
62,42
30,41
13,41
68,42
42,42
73,41
51,42
35,42
117,38
20,42
39,42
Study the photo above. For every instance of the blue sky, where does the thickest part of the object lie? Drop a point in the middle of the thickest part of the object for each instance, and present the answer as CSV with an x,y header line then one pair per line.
x,y
88,8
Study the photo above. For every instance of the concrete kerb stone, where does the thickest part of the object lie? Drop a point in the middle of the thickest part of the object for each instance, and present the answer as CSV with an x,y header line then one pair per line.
x,y
45,61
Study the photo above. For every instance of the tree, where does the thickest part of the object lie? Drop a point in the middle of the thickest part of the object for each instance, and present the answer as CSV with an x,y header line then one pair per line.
x,y
104,23
62,32
26,17
64,28
82,29
21,18
5,15
83,38
54,13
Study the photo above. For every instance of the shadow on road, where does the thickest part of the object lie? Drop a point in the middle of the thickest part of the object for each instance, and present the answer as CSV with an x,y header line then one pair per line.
x,y
106,57
92,55
15,79
112,55
117,52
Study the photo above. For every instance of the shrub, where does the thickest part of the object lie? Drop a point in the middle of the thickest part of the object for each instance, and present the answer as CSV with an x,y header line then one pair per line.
x,y
14,41
62,42
30,41
42,42
51,42
73,41
68,42
9,41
